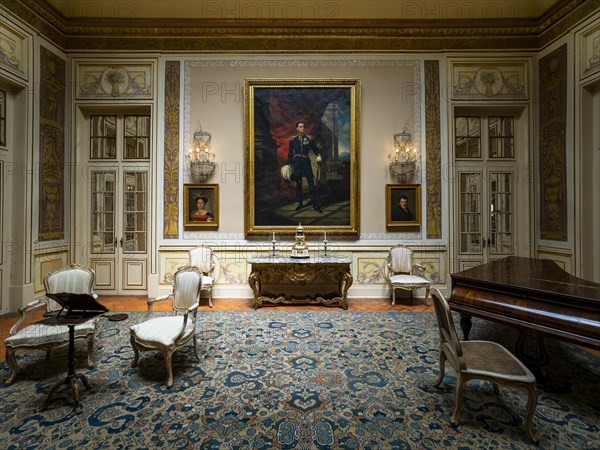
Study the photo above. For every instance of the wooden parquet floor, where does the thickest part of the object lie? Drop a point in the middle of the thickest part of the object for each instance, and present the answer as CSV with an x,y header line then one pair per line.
x,y
138,303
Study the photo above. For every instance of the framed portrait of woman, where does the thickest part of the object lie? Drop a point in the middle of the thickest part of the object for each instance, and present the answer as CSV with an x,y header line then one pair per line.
x,y
201,206
403,205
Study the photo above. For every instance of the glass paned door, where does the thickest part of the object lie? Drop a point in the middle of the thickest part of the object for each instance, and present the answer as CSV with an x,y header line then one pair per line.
x,y
115,218
470,213
103,211
135,212
485,217
501,213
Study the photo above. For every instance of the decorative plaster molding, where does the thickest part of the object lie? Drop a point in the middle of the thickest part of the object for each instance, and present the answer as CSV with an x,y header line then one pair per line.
x,y
101,81
13,51
489,81
589,53
299,35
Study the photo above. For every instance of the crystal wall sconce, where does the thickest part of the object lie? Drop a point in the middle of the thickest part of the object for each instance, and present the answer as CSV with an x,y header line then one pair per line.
x,y
201,160
403,162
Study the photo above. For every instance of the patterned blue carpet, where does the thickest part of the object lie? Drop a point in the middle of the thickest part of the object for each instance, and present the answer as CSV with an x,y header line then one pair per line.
x,y
294,379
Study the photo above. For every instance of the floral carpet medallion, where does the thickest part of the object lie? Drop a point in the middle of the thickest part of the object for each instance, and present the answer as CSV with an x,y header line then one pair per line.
x,y
294,379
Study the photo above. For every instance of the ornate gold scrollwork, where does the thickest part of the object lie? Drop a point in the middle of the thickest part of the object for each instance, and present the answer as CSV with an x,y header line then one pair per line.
x,y
274,274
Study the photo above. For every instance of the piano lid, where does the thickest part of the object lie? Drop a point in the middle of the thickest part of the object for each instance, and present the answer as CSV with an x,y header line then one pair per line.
x,y
530,278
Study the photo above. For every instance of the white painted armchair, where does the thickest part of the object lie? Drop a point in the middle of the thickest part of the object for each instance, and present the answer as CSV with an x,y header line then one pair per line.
x,y
74,279
169,333
204,259
402,273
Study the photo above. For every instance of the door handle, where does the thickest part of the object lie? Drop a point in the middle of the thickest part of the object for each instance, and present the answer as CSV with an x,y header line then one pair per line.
x,y
121,241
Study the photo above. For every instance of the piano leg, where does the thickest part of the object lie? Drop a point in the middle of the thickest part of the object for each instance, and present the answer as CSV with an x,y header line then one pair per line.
x,y
465,325
530,349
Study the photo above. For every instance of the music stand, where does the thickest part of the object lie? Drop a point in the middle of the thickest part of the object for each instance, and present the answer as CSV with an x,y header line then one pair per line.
x,y
75,310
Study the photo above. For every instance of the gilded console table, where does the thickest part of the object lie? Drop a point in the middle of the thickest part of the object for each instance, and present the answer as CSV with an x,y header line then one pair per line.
x,y
303,276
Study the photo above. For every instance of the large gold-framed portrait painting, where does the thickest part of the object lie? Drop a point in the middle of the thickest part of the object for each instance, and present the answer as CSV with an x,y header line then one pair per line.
x,y
301,155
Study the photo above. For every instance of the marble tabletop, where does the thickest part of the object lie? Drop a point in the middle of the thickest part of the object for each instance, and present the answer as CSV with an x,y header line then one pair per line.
x,y
286,259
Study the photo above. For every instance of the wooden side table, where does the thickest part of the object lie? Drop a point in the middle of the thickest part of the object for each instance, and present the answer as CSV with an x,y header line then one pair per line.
x,y
70,321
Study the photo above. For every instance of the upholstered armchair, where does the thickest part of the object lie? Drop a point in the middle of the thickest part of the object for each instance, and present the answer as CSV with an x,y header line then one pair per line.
x,y
169,333
74,279
204,259
402,273
481,360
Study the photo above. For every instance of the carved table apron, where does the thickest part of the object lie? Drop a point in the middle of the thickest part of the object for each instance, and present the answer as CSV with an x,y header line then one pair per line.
x,y
274,272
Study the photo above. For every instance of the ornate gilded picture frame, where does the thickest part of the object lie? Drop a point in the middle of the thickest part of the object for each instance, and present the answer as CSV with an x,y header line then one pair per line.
x,y
301,139
201,206
403,205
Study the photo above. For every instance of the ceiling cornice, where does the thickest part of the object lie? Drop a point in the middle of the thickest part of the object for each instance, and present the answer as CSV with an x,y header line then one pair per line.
x,y
282,35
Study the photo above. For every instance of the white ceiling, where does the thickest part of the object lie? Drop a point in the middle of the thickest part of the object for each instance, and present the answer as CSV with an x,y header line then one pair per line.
x,y
240,10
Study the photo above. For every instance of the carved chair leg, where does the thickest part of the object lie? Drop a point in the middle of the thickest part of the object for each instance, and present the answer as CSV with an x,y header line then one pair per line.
x,y
427,296
393,295
210,297
136,353
12,362
196,348
168,365
440,378
90,350
460,387
531,404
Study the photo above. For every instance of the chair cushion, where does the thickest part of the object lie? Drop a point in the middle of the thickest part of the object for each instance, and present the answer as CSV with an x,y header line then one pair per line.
x,y
490,357
409,280
206,281
38,334
161,331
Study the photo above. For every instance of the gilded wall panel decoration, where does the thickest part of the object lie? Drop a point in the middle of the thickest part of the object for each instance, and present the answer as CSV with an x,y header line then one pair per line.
x,y
171,148
52,147
371,271
590,51
97,81
553,152
433,145
13,50
497,81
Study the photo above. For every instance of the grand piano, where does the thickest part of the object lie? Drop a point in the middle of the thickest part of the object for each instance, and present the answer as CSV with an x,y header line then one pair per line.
x,y
534,295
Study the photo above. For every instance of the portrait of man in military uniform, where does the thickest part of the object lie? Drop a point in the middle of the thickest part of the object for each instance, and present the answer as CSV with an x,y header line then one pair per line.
x,y
302,155
298,157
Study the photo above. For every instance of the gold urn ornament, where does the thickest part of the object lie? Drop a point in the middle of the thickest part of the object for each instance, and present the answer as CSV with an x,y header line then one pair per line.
x,y
299,248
